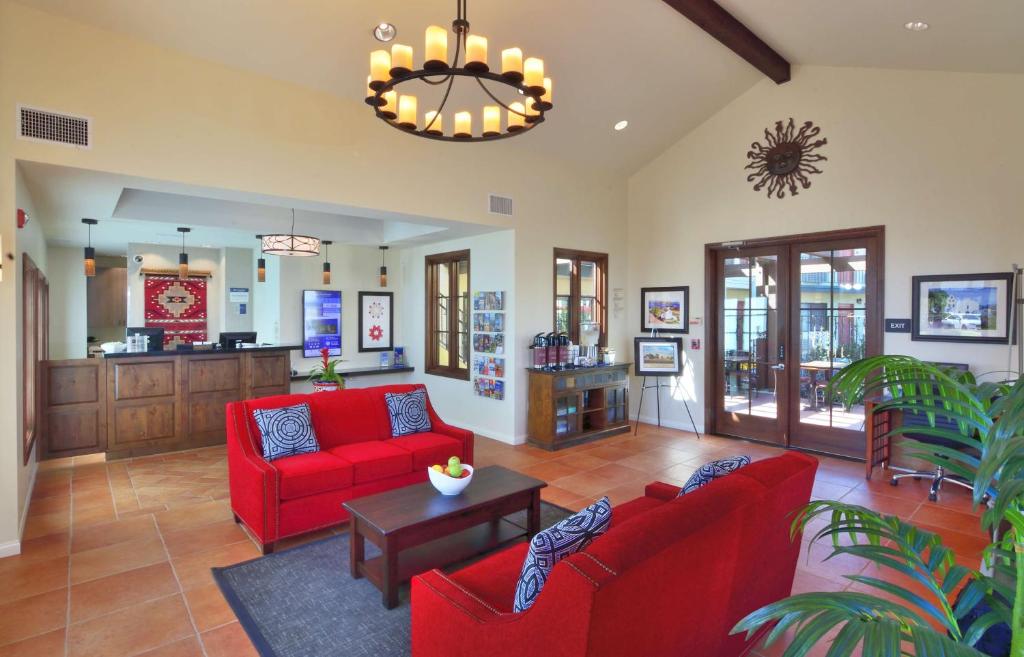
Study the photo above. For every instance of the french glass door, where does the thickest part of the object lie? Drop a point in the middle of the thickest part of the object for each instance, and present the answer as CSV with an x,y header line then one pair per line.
x,y
788,316
751,391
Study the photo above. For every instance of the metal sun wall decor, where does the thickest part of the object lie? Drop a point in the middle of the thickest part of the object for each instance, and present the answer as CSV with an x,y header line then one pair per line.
x,y
786,158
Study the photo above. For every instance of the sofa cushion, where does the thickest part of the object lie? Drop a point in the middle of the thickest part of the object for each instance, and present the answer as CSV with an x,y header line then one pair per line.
x,y
408,412
552,545
493,579
633,508
286,431
708,472
374,460
344,417
428,449
309,474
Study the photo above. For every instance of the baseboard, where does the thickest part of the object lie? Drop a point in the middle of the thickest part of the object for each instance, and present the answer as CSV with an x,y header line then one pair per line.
x,y
487,433
29,491
682,425
10,549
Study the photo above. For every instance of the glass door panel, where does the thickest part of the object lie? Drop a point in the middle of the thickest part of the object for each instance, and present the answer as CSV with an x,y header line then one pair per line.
x,y
751,367
832,288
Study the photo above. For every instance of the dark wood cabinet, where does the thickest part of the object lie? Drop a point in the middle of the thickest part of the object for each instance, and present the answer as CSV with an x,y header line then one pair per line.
x,y
570,407
146,404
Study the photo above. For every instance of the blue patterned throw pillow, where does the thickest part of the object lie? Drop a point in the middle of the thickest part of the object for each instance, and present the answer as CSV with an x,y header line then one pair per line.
x,y
550,546
408,412
286,431
713,470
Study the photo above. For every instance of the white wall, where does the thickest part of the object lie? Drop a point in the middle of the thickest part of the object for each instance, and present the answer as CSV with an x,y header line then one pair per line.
x,y
492,261
156,256
68,303
236,266
935,157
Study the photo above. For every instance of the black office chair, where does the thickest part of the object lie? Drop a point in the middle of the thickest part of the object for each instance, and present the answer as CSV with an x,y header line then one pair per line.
x,y
939,476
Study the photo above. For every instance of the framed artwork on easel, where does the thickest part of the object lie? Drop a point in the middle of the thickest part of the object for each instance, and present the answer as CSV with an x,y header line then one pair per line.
x,y
665,309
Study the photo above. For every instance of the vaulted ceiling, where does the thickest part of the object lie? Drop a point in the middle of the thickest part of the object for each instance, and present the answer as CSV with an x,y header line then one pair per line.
x,y
637,60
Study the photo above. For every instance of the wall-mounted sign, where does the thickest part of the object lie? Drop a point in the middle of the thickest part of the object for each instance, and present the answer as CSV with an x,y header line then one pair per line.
x,y
238,295
321,322
897,325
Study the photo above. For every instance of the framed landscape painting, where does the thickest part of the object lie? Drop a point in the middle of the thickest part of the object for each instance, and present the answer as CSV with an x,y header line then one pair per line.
x,y
376,321
665,309
963,308
657,356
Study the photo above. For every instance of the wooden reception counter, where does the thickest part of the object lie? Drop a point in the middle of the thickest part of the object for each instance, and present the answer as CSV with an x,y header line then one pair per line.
x,y
136,404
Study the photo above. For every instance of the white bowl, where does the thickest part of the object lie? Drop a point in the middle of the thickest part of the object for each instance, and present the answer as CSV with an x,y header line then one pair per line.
x,y
448,485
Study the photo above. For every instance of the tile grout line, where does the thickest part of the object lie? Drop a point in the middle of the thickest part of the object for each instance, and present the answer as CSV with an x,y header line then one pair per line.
x,y
71,530
181,589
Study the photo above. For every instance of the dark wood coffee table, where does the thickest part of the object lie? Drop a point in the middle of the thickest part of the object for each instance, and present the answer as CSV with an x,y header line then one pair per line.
x,y
418,528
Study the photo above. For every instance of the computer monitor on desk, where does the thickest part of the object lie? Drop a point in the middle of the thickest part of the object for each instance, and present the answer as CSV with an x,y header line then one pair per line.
x,y
235,340
156,336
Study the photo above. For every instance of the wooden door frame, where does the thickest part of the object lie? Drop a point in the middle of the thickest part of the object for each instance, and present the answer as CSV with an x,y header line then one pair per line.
x,y
875,306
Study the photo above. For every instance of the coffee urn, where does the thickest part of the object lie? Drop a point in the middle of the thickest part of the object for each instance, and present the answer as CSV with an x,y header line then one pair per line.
x,y
539,351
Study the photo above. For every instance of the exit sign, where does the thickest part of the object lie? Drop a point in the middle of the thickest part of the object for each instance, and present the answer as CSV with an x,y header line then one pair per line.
x,y
897,326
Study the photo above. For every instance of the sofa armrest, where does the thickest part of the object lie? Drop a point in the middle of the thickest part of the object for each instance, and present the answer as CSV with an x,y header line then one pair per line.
x,y
450,621
252,481
662,491
463,435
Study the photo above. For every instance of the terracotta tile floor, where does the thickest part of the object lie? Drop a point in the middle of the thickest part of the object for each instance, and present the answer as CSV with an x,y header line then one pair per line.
x,y
116,559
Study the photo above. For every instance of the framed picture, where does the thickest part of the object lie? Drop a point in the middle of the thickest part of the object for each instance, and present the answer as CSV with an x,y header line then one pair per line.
x,y
665,309
963,308
376,321
657,356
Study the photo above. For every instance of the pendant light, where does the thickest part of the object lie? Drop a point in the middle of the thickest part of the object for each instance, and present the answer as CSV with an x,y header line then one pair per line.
x,y
327,262
290,244
90,253
261,264
183,257
383,267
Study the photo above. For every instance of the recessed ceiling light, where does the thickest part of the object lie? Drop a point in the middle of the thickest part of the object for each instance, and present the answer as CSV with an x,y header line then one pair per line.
x,y
622,125
384,32
916,26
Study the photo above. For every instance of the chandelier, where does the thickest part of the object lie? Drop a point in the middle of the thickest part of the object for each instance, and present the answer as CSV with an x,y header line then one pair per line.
x,y
290,244
388,71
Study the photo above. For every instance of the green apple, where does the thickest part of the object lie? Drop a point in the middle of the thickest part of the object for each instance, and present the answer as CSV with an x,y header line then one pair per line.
x,y
455,467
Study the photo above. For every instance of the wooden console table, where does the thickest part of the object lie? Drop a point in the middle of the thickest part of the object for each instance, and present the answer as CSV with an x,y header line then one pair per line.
x,y
569,407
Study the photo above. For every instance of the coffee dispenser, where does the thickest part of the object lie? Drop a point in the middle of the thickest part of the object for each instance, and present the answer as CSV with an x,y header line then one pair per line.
x,y
563,351
539,351
552,350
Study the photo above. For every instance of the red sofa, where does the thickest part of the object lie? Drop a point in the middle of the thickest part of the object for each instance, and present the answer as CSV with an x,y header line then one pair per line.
x,y
670,578
297,494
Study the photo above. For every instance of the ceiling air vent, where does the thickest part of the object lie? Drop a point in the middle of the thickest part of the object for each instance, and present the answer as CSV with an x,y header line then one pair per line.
x,y
500,205
53,127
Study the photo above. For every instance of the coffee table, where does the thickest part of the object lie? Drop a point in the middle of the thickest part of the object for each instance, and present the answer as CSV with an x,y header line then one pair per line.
x,y
418,528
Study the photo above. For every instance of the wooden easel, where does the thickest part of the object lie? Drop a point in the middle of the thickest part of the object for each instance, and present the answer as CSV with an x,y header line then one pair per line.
x,y
658,385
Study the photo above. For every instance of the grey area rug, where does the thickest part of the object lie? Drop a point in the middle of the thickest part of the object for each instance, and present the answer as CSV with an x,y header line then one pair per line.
x,y
303,603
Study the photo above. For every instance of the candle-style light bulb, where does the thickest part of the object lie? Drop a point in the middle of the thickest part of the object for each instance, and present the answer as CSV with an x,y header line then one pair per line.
x,y
476,53
407,112
434,123
436,51
463,125
380,69
512,64
545,101
492,121
516,120
532,114
401,60
390,107
533,75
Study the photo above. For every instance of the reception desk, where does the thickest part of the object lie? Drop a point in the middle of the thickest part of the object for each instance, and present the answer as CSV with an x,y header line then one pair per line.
x,y
146,403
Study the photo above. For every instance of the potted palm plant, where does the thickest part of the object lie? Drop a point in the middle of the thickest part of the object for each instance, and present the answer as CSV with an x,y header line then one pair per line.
x,y
324,376
953,609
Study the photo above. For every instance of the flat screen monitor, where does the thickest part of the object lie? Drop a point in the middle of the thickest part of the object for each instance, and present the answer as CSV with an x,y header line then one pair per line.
x,y
321,322
156,336
232,340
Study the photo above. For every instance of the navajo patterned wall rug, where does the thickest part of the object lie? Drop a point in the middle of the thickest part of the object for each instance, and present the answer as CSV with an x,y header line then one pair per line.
x,y
176,306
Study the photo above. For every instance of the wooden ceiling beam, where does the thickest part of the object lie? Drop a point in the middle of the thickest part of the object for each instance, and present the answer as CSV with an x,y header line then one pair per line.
x,y
719,23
